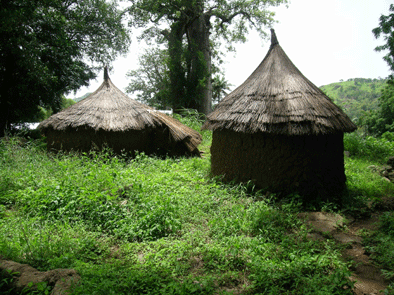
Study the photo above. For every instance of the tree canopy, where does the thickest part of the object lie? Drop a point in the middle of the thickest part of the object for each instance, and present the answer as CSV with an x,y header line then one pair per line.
x,y
49,48
151,82
386,29
381,120
191,30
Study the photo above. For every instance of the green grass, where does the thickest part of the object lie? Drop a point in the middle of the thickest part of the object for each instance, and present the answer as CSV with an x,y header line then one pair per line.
x,y
363,181
366,190
380,245
163,226
368,147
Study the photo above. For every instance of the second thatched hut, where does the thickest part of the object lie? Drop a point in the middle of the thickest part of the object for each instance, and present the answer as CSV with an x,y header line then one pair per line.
x,y
280,131
109,118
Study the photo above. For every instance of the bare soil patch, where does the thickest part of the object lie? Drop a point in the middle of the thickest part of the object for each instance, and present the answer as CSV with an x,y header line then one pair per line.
x,y
366,275
24,275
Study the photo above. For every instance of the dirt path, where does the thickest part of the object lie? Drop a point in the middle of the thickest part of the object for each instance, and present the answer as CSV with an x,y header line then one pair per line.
x,y
367,276
24,277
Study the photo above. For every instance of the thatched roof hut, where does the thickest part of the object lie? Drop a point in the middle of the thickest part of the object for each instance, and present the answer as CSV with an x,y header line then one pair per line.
x,y
110,118
279,130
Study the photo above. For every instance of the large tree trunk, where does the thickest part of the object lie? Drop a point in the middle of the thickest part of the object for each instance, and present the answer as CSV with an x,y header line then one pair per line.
x,y
200,80
177,72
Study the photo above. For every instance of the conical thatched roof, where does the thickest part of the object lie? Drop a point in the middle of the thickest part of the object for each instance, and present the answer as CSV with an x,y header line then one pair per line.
x,y
278,99
109,109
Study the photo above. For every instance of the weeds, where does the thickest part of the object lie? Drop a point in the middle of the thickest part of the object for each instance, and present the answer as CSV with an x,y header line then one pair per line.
x,y
368,147
6,279
163,226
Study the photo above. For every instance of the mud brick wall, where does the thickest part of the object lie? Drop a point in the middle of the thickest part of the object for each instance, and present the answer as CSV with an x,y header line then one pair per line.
x,y
306,164
151,141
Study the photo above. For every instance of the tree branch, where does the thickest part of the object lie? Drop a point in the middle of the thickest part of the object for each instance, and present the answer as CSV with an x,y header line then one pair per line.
x,y
228,19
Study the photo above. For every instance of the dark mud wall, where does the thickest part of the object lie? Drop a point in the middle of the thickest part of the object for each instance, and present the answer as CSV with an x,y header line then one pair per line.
x,y
150,141
310,165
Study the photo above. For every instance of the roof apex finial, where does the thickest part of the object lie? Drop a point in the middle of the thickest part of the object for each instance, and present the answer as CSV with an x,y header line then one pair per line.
x,y
274,40
106,77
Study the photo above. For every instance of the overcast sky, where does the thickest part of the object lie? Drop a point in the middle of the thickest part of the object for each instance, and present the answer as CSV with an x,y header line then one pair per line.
x,y
327,40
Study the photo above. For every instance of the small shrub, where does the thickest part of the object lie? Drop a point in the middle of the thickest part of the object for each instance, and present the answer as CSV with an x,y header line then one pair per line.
x,y
380,244
363,184
6,279
368,147
269,223
46,245
386,224
299,274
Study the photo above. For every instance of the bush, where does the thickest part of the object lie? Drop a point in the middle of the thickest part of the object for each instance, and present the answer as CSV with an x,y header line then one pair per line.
x,y
380,244
368,147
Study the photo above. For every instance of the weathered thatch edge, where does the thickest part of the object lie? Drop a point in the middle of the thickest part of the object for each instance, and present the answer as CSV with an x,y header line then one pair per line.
x,y
278,99
109,110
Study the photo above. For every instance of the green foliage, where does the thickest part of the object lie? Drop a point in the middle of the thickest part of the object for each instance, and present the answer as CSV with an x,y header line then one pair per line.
x,y
381,120
368,147
310,274
355,96
192,30
387,223
77,99
46,245
380,244
51,48
151,80
7,285
191,118
386,28
46,113
265,222
6,279
100,206
364,184
163,226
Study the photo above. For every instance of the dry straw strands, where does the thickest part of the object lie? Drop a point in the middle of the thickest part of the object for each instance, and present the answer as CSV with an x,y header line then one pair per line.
x,y
278,99
109,109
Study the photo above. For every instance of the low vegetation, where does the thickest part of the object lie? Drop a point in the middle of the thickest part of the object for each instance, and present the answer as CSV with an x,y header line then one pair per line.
x,y
164,226
355,96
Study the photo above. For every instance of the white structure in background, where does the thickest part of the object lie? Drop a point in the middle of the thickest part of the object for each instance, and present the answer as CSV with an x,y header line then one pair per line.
x,y
167,112
21,126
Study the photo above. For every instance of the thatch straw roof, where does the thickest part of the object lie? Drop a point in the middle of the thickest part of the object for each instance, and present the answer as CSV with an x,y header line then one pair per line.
x,y
278,99
109,109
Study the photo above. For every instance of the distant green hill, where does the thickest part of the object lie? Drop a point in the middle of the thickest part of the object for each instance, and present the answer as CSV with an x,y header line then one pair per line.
x,y
355,96
82,97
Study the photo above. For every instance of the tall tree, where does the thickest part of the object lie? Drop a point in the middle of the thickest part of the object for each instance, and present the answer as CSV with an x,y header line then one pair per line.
x,y
197,25
49,48
381,120
386,28
151,81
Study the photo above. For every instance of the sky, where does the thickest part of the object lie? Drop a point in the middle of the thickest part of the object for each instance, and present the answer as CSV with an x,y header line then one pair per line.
x,y
327,40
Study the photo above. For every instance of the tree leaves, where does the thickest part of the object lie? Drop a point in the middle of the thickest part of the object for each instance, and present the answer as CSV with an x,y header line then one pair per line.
x,y
386,28
49,48
193,30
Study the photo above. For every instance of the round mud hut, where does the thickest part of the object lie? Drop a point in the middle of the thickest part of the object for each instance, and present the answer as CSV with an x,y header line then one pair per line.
x,y
109,118
280,131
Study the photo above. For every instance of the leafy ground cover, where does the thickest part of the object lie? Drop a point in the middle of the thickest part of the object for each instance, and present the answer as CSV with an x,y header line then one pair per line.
x,y
356,96
164,226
